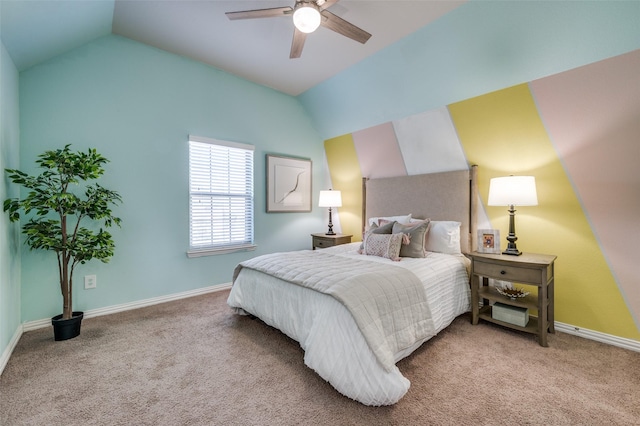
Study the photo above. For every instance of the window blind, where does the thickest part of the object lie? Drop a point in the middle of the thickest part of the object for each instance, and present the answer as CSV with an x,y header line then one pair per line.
x,y
220,195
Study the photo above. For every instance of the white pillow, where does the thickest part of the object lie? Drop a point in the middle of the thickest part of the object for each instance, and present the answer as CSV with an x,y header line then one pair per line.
x,y
444,237
404,219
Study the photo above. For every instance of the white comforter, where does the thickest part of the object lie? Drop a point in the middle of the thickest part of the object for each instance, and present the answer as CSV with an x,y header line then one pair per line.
x,y
388,303
334,345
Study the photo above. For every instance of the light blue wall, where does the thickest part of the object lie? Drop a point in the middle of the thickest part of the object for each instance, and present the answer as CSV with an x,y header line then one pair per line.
x,y
9,237
137,105
480,47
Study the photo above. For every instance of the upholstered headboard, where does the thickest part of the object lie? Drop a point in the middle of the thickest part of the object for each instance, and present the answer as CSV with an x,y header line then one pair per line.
x,y
437,196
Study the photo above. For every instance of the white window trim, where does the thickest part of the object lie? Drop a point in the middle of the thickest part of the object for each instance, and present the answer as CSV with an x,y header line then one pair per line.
x,y
211,141
211,251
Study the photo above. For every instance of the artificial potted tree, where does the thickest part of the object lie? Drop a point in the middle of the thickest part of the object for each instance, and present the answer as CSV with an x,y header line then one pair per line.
x,y
58,200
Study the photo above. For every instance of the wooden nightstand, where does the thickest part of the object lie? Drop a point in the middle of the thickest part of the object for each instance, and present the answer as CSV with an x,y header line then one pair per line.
x,y
324,240
529,268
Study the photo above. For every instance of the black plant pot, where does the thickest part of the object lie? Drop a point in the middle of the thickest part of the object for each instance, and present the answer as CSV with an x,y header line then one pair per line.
x,y
67,329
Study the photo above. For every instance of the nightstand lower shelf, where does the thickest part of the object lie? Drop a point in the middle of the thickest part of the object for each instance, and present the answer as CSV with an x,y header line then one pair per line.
x,y
531,327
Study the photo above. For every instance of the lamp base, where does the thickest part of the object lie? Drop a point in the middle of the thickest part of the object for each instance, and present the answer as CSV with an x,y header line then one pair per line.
x,y
330,231
512,252
511,247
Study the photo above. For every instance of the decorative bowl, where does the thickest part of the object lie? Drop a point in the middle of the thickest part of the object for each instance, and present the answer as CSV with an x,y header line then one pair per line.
x,y
512,293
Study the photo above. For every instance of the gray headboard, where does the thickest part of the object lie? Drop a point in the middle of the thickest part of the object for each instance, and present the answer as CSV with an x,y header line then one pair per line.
x,y
437,196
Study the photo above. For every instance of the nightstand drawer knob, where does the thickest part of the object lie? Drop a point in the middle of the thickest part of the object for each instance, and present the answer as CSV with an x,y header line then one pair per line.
x,y
503,272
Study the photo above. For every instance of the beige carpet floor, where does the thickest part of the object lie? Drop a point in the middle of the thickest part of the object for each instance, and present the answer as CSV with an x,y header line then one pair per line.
x,y
194,362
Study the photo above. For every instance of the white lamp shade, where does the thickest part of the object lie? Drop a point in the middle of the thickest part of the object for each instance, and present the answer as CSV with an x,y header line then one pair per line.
x,y
330,198
513,190
306,18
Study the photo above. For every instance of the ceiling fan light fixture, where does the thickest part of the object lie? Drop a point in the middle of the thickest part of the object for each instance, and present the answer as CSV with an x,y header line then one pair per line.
x,y
306,17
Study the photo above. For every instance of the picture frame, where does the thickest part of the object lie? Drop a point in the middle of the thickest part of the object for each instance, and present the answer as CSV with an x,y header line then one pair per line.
x,y
489,241
288,184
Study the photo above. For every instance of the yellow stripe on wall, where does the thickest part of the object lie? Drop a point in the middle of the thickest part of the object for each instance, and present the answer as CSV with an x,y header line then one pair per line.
x,y
346,177
502,132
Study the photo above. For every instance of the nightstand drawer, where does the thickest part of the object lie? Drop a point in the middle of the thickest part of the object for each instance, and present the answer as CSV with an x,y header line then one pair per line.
x,y
322,243
507,273
324,240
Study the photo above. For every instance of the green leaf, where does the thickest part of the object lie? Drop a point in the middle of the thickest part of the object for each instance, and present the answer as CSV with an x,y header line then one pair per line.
x,y
62,196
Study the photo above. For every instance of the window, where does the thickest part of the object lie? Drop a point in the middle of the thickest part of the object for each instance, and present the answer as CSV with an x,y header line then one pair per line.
x,y
220,196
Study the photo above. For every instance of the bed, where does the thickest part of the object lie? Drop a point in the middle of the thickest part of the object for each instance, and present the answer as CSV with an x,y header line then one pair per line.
x,y
356,314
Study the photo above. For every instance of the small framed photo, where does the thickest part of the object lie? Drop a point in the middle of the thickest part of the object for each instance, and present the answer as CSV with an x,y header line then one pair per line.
x,y
288,184
489,241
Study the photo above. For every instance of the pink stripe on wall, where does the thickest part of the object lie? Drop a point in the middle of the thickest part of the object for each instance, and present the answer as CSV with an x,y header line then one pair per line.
x,y
378,152
592,115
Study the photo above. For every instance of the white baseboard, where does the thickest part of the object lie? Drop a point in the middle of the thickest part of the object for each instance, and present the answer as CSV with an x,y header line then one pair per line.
x,y
33,325
632,345
46,322
4,359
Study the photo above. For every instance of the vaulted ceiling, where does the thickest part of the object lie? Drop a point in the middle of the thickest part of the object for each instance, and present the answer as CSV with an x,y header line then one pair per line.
x,y
255,49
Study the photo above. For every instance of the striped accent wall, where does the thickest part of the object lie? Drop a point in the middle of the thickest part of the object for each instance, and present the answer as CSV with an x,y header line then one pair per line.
x,y
577,133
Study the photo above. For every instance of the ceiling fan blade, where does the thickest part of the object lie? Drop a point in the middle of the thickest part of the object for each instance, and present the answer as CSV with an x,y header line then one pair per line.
x,y
347,29
297,44
259,13
327,4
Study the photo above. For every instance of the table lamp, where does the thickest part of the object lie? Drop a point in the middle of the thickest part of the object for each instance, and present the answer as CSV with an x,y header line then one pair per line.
x,y
513,191
330,199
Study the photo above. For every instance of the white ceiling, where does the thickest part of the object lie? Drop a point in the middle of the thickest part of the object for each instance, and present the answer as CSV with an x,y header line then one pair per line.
x,y
255,49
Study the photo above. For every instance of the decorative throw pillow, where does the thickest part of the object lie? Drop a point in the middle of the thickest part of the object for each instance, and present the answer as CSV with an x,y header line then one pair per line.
x,y
444,237
417,234
386,228
402,219
383,245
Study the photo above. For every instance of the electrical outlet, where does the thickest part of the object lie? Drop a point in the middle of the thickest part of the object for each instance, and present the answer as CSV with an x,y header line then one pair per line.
x,y
90,281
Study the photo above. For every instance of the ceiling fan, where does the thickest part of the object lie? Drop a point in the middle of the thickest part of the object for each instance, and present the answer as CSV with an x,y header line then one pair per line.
x,y
308,15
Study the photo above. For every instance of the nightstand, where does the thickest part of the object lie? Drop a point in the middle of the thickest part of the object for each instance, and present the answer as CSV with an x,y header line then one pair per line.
x,y
324,240
528,268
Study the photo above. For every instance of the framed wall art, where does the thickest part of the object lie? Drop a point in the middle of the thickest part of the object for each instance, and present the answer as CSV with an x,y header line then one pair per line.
x,y
288,184
489,241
